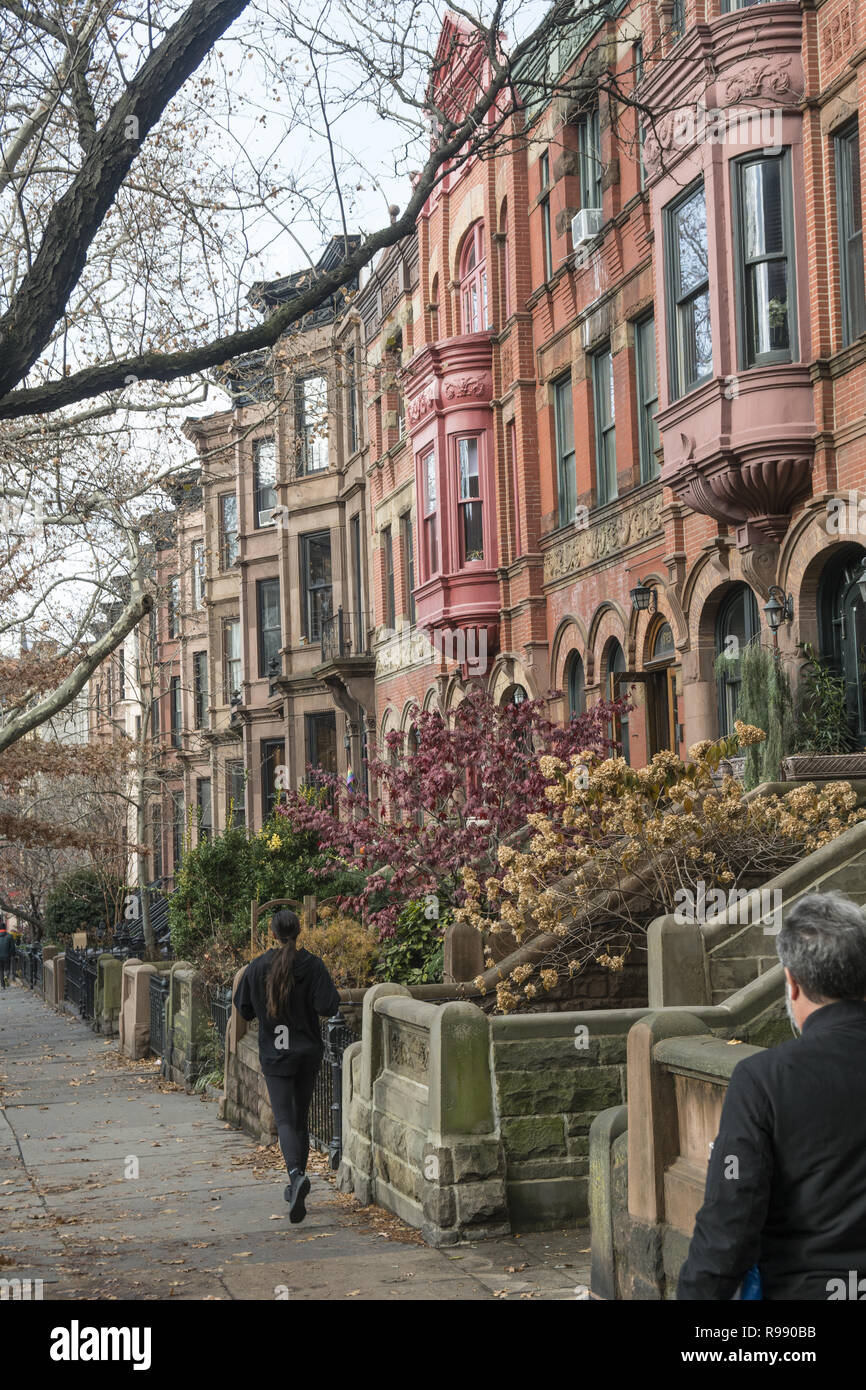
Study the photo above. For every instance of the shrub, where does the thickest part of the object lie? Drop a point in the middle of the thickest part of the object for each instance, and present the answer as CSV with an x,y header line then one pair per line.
x,y
617,847
80,902
823,724
413,955
349,950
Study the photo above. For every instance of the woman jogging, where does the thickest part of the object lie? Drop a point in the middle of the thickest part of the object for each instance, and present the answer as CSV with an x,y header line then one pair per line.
x,y
288,991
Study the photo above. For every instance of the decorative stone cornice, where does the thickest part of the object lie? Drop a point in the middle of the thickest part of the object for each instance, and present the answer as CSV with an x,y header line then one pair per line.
x,y
627,526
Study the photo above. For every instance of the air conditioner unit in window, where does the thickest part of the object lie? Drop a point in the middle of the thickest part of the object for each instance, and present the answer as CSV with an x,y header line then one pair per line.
x,y
585,226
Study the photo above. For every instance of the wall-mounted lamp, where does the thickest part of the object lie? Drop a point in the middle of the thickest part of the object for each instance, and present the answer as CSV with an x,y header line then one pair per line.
x,y
779,608
644,598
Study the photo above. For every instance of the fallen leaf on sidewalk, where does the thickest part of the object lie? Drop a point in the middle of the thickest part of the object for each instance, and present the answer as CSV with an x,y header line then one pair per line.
x,y
353,1293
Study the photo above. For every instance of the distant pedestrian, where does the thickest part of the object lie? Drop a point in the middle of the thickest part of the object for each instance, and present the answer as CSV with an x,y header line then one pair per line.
x,y
288,991
7,952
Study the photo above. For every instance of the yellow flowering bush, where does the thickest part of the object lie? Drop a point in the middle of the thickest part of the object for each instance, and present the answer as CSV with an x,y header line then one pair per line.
x,y
618,845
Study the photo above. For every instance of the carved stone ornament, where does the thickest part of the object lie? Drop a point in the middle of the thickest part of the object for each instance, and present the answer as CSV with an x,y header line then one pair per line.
x,y
627,527
464,387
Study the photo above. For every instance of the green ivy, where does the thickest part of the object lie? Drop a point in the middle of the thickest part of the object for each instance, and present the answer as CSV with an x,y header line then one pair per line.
x,y
414,954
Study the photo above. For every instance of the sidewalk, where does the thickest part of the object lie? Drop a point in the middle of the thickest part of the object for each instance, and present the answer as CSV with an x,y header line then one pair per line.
x,y
115,1185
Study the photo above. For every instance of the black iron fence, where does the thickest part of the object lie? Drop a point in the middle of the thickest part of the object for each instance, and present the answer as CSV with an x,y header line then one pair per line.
x,y
30,965
159,985
344,634
220,1009
74,977
87,1003
326,1110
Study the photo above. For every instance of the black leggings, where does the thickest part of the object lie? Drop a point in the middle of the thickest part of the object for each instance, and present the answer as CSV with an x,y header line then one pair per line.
x,y
290,1098
4,966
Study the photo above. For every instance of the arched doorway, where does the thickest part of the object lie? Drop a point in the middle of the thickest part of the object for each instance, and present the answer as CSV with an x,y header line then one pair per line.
x,y
616,686
842,631
660,689
576,684
737,623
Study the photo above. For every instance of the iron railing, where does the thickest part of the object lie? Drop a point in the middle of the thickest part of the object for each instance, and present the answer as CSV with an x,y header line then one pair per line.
x,y
158,996
38,977
87,1001
220,1009
344,634
326,1108
74,977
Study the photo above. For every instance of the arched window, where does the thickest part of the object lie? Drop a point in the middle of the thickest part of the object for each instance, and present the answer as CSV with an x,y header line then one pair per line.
x,y
842,629
737,623
473,281
616,669
663,648
576,684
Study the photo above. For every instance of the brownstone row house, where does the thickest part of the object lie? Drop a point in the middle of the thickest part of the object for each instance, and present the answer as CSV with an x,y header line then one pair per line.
x,y
603,413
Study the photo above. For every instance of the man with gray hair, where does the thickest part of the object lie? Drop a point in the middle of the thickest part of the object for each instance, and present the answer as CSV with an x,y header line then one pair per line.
x,y
786,1184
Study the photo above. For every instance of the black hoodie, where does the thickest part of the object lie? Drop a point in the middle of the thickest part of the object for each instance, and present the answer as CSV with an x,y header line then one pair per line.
x,y
313,996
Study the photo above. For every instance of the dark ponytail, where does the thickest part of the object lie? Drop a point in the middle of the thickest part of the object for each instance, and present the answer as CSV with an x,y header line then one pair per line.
x,y
285,926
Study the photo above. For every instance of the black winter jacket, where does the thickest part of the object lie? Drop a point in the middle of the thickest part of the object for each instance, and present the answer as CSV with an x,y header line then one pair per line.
x,y
313,996
7,946
794,1119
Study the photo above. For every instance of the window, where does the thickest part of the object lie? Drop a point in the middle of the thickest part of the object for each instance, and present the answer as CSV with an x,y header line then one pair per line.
x,y
154,715
321,737
156,840
311,423
388,577
353,437
850,226
205,809
576,684
178,819
511,446
589,160
201,697
434,309
236,792
407,545
316,582
121,673
273,752
469,500
357,574
689,335
638,77
173,606
270,634
765,265
231,658
265,480
546,240
647,397
504,262
176,716
563,410
431,520
473,281
678,17
197,574
605,427
228,530
663,648
737,623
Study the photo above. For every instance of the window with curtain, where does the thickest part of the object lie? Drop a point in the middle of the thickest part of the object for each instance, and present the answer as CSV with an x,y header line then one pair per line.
x,y
765,259
232,657
228,530
431,515
311,423
469,501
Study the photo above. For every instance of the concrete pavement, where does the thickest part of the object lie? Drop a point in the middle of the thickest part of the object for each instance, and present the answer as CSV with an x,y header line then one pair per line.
x,y
116,1185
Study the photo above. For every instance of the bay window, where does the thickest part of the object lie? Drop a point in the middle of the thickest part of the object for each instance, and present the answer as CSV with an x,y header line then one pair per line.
x,y
473,281
431,519
469,500
688,281
765,259
849,215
